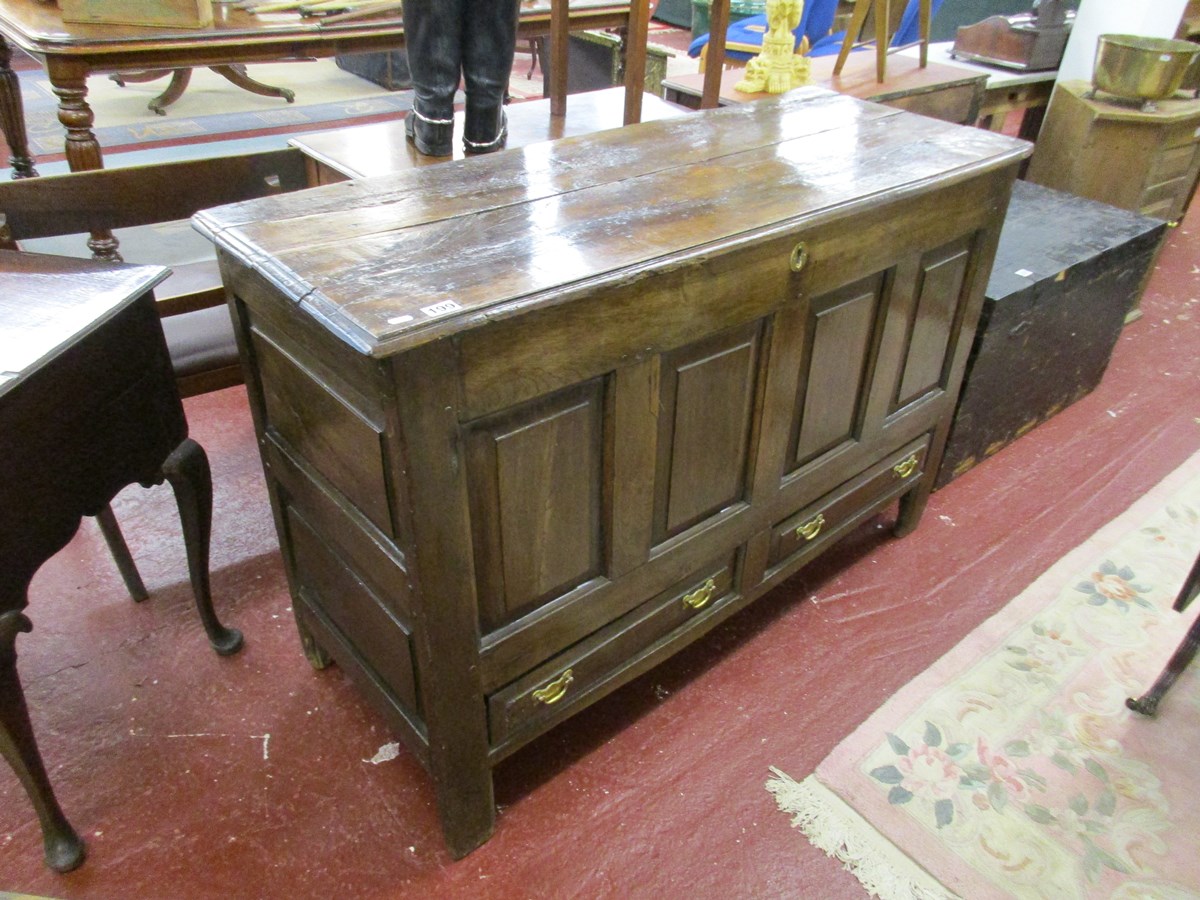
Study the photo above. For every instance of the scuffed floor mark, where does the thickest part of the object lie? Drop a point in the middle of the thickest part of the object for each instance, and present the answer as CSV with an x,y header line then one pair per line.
x,y
384,754
265,738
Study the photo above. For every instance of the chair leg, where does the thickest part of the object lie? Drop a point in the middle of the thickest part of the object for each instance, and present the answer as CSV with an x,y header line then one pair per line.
x,y
883,16
1191,588
120,554
857,19
188,472
63,848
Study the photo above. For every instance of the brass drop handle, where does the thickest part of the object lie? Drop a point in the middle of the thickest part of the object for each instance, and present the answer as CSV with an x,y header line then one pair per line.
x,y
812,527
555,690
699,598
907,466
799,257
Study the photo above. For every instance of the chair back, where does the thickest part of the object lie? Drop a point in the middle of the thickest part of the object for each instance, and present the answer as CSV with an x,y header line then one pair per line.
x,y
815,22
192,300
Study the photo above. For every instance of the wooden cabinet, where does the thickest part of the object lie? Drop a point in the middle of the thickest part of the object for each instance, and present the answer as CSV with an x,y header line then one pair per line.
x,y
1111,151
534,421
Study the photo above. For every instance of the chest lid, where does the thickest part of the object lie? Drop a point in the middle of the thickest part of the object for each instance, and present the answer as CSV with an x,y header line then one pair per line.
x,y
391,262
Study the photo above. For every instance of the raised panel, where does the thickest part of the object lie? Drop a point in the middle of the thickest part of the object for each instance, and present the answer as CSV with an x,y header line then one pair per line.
x,y
707,398
535,477
932,321
380,640
325,430
841,346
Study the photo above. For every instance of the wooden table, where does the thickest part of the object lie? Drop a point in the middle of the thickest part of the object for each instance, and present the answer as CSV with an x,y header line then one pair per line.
x,y
943,92
88,405
532,422
72,52
364,151
1005,91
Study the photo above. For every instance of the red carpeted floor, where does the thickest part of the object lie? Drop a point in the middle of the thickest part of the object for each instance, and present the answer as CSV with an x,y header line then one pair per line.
x,y
193,776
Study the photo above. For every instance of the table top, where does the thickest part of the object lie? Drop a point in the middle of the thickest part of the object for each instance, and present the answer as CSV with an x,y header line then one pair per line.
x,y
363,151
857,79
998,77
393,262
37,26
43,308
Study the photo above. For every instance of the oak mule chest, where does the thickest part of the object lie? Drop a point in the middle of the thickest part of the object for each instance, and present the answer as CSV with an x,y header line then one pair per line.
x,y
534,421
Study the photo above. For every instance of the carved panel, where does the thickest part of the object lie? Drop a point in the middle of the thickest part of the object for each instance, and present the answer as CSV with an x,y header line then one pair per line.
x,y
706,402
535,476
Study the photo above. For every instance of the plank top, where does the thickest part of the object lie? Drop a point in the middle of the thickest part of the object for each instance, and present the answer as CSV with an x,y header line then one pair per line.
x,y
392,262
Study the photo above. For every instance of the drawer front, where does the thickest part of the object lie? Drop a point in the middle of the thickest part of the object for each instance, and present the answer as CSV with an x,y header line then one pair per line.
x,y
1183,134
1166,199
1172,164
953,104
809,528
580,673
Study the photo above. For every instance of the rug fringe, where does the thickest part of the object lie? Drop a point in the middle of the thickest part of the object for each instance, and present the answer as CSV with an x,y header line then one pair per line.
x,y
833,826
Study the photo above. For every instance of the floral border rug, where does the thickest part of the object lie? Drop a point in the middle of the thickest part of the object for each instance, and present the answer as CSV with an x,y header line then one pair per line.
x,y
1012,768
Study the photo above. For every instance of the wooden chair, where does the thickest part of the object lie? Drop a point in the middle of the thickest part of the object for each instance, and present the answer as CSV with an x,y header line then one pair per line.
x,y
192,301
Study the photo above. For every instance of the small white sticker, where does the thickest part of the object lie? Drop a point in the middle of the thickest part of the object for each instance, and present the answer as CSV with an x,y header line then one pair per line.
x,y
399,320
1024,273
1196,133
440,309
1166,57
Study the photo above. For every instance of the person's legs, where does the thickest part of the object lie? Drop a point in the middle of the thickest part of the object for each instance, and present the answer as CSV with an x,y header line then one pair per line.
x,y
433,36
489,41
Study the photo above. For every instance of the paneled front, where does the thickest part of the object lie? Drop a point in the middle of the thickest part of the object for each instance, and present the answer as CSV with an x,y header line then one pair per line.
x,y
535,477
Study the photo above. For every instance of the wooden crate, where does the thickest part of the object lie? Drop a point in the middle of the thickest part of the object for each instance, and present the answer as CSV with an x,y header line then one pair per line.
x,y
163,13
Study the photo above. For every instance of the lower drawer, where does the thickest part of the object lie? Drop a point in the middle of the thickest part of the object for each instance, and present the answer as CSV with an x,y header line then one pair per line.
x,y
582,672
807,530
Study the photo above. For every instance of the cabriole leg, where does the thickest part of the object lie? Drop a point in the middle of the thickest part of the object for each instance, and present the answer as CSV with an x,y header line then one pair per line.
x,y
188,472
64,849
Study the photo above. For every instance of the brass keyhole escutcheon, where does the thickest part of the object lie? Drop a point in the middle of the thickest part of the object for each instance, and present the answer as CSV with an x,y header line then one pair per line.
x,y
555,690
906,467
699,598
812,527
799,257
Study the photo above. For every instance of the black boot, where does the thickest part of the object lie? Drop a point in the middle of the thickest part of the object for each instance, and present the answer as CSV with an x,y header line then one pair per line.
x,y
489,42
433,37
